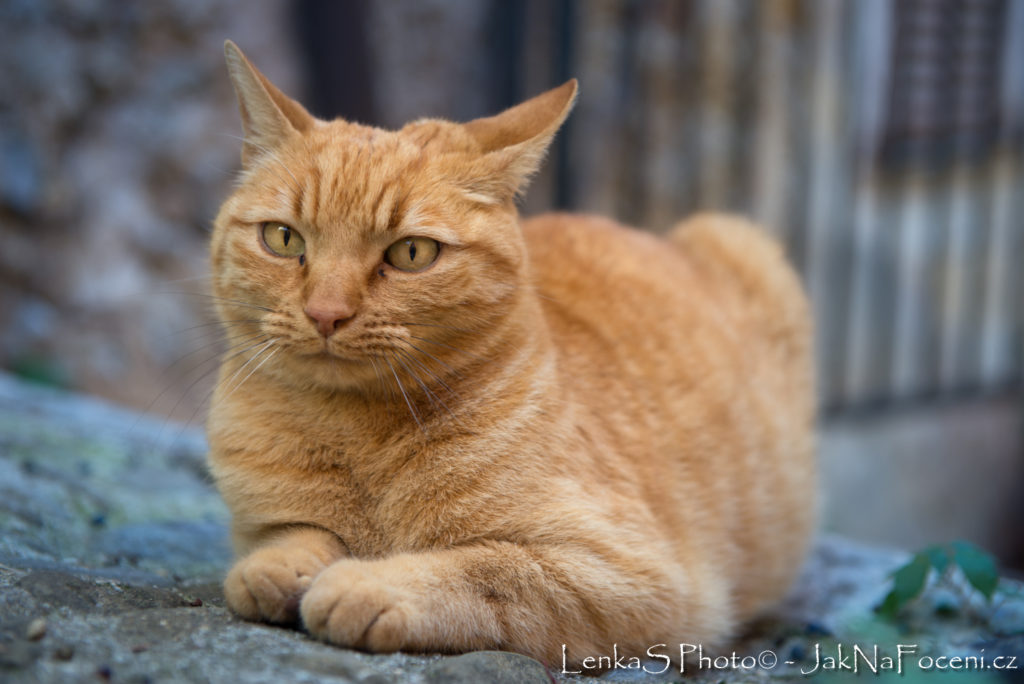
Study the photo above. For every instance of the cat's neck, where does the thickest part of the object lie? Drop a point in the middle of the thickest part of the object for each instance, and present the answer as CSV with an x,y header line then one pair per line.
x,y
479,371
451,385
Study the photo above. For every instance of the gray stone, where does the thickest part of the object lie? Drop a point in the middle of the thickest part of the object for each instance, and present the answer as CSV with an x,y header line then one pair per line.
x,y
18,654
488,666
199,542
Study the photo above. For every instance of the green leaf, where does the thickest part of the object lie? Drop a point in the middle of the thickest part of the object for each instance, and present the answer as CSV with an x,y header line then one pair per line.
x,y
907,583
40,370
889,606
909,580
939,557
978,567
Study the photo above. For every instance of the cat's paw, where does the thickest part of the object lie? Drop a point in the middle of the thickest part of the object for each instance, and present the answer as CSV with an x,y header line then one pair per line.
x,y
351,605
268,584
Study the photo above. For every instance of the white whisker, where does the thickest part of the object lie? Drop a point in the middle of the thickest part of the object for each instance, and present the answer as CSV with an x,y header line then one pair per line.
x,y
221,299
256,368
263,346
404,395
431,396
380,377
434,358
447,346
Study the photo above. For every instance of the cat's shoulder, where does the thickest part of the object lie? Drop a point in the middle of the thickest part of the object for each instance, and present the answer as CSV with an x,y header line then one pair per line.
x,y
585,231
715,240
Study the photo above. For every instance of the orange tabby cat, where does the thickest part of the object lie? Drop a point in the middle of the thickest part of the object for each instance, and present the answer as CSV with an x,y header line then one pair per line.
x,y
453,430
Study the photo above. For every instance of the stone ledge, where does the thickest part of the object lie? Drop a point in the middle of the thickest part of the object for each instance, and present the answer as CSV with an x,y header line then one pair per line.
x,y
113,544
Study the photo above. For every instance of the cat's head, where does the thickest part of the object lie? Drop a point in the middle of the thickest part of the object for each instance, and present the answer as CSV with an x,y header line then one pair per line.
x,y
348,253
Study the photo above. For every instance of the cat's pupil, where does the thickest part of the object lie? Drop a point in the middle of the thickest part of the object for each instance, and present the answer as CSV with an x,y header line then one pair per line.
x,y
412,251
286,235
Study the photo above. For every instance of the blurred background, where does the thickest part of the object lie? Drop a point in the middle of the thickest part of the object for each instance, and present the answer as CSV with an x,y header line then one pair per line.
x,y
881,141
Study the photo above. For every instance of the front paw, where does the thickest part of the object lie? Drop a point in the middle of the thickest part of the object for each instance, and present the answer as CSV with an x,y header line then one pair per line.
x,y
351,605
268,584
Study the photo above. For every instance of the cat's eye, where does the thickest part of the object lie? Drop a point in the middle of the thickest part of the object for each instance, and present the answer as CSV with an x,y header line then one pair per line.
x,y
412,253
282,240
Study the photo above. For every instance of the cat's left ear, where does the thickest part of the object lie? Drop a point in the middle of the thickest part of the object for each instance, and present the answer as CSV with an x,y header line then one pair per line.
x,y
268,115
515,141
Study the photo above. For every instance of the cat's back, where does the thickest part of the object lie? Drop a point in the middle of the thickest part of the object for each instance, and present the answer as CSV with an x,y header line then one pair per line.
x,y
714,274
704,320
691,356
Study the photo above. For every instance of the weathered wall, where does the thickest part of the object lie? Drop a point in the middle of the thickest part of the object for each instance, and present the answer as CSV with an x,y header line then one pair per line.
x,y
116,147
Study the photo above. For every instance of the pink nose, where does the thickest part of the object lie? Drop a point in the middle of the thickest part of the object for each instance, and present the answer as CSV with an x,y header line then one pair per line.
x,y
329,318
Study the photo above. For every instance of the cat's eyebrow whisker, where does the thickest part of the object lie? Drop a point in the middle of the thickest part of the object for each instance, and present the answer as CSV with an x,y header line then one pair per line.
x,y
404,395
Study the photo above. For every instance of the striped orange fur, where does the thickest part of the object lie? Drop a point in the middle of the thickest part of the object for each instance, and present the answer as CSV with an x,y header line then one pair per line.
x,y
560,432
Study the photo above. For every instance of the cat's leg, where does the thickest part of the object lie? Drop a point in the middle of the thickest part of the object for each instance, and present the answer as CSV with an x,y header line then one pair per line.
x,y
268,583
499,595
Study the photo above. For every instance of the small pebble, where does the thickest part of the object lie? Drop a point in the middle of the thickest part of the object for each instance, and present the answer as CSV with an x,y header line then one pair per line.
x,y
139,648
64,652
104,672
36,630
196,602
817,629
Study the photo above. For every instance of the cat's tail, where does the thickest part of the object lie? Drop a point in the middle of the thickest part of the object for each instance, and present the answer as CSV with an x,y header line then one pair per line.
x,y
750,282
751,260
730,242
751,271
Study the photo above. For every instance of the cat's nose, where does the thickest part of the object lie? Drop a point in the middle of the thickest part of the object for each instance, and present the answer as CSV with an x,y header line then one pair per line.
x,y
329,318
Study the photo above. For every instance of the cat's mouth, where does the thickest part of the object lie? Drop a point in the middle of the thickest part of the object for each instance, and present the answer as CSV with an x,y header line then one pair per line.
x,y
324,353
327,354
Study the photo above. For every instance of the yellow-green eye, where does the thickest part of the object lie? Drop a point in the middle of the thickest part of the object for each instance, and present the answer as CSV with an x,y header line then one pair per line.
x,y
413,253
283,240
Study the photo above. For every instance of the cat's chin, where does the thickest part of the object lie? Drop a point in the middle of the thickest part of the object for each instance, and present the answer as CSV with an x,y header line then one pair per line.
x,y
328,371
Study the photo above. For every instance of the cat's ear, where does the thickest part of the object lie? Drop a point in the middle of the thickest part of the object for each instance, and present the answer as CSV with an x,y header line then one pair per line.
x,y
268,115
515,141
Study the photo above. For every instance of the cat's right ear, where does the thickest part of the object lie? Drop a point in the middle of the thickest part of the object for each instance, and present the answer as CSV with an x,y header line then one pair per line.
x,y
514,143
268,115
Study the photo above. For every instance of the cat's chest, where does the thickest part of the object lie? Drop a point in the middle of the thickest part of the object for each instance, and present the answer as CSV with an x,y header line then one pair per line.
x,y
377,498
